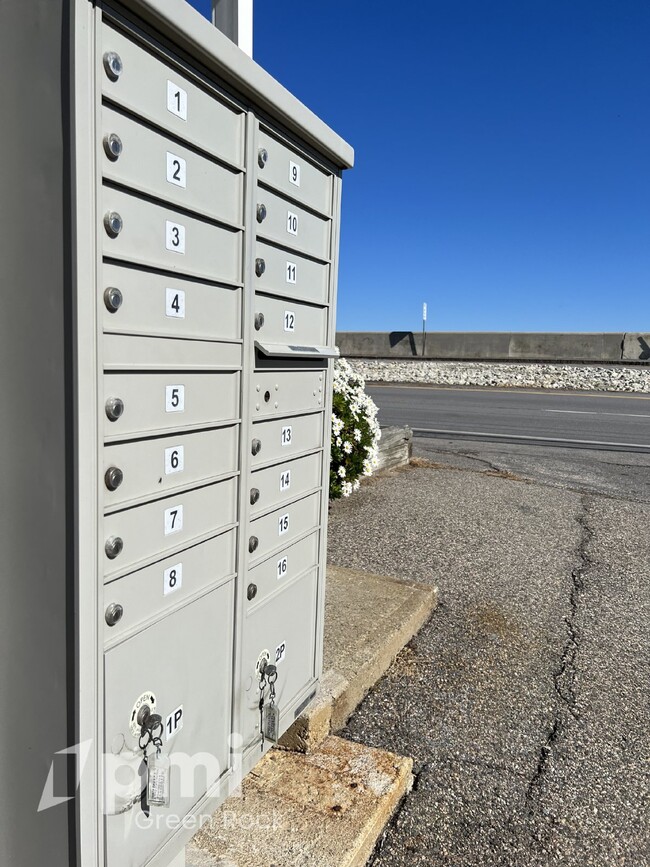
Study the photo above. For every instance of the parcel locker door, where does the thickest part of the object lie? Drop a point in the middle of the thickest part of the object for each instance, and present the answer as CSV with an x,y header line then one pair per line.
x,y
282,630
183,663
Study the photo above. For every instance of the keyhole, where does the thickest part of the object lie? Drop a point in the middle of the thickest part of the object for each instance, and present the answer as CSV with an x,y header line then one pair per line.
x,y
267,396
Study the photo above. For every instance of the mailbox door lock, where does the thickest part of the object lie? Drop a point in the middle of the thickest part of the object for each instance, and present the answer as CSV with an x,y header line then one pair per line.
x,y
113,65
113,478
262,157
113,146
114,408
256,446
261,213
113,223
255,495
112,299
251,591
113,613
260,267
113,547
259,321
253,542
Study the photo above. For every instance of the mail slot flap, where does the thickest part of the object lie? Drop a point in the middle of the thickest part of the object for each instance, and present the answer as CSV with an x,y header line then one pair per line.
x,y
149,532
276,350
289,640
276,530
166,306
284,392
159,166
289,171
134,471
161,94
151,592
284,482
286,273
166,401
285,223
160,237
282,439
185,662
126,352
279,321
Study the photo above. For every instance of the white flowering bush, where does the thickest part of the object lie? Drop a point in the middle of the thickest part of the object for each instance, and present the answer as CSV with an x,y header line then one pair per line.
x,y
355,432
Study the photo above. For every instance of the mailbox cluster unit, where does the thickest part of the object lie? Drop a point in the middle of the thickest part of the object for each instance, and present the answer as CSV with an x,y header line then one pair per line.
x,y
171,253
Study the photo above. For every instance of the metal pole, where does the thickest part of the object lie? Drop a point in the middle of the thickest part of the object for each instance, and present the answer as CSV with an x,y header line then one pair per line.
x,y
424,328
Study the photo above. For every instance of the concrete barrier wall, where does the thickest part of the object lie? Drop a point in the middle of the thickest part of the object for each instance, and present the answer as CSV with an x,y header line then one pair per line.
x,y
606,347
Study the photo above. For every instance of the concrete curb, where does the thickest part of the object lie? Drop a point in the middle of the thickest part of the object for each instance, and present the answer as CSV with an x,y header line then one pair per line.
x,y
368,620
322,809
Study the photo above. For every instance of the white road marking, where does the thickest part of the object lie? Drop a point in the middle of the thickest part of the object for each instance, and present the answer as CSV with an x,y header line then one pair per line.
x,y
592,412
474,433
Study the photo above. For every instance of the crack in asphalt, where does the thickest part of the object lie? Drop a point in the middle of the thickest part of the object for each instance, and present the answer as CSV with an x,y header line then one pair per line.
x,y
565,674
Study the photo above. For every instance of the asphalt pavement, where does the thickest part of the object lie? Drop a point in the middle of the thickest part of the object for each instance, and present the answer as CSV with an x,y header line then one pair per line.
x,y
525,699
570,419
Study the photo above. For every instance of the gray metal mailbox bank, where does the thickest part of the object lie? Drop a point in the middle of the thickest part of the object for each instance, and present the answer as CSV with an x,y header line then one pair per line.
x,y
169,245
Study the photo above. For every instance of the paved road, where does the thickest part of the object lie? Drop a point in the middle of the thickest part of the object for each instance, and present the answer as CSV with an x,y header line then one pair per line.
x,y
525,700
568,419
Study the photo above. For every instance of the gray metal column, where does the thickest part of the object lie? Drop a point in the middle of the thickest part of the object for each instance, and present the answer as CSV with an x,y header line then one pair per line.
x,y
37,610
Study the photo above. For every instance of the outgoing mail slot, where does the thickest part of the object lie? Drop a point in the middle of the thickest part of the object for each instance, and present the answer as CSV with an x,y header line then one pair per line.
x,y
282,439
278,529
290,322
286,392
161,167
148,532
154,467
149,593
159,305
284,272
285,223
145,402
162,238
185,662
290,643
293,174
162,95
285,482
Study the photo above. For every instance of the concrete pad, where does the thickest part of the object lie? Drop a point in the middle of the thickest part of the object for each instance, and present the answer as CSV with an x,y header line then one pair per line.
x,y
368,620
322,809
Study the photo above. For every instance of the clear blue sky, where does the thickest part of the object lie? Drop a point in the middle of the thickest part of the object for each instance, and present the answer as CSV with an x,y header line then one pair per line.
x,y
502,156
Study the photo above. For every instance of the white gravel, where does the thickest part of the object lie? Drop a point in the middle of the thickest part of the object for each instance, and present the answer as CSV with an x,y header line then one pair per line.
x,y
507,374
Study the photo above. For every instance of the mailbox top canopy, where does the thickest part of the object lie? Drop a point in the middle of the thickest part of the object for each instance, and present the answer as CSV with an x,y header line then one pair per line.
x,y
190,30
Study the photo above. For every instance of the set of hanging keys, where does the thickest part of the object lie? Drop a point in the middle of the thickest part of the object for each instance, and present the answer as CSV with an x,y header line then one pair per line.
x,y
269,713
155,769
